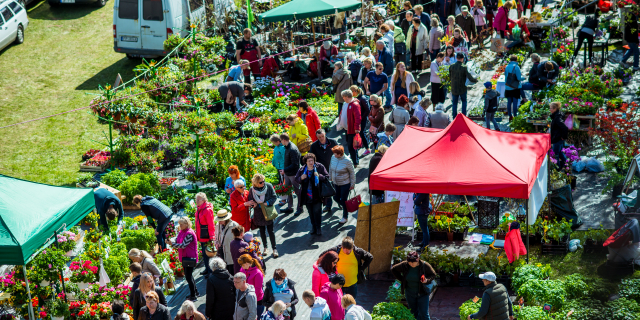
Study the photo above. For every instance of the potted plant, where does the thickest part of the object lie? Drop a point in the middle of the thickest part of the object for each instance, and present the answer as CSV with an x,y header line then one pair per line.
x,y
210,250
83,273
57,307
449,233
67,242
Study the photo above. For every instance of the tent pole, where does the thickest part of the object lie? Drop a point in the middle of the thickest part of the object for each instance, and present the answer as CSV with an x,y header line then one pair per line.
x,y
31,313
548,185
527,212
369,245
468,206
315,48
64,289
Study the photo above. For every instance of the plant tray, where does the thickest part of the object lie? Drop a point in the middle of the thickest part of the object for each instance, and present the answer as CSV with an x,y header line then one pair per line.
x,y
87,168
488,212
459,236
550,248
476,118
595,248
437,235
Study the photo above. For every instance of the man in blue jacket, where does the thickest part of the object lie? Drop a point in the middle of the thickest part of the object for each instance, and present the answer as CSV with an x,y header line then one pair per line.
x,y
386,59
108,206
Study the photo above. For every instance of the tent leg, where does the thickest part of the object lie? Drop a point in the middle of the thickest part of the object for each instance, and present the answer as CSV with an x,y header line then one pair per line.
x,y
315,49
471,214
31,313
370,205
527,212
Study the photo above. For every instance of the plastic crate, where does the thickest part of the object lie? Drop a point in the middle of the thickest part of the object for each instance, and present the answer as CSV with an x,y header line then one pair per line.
x,y
488,212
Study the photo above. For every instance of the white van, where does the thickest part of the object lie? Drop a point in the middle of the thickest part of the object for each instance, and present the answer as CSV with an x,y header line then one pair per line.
x,y
140,27
13,21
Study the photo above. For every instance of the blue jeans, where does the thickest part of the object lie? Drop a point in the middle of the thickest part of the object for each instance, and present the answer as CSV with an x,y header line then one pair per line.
x,y
633,49
488,118
387,93
527,86
514,43
352,290
557,150
462,97
206,258
418,304
512,103
422,221
341,197
433,55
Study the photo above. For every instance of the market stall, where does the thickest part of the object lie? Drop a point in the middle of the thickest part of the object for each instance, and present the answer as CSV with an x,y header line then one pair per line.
x,y
467,159
32,214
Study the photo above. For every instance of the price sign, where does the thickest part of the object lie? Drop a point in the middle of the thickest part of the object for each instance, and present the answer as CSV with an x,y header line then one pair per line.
x,y
437,217
475,299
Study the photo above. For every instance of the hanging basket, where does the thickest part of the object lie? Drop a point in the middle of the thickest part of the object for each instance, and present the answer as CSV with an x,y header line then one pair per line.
x,y
133,119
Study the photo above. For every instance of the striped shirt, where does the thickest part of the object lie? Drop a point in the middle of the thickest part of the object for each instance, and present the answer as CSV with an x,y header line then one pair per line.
x,y
185,242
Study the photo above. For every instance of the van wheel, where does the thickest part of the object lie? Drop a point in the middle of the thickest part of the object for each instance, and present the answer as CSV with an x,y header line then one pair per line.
x,y
20,35
101,3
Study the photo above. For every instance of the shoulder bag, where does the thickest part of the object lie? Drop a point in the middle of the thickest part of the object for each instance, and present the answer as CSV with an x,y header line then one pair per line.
x,y
512,80
269,212
204,229
189,262
354,203
327,189
335,87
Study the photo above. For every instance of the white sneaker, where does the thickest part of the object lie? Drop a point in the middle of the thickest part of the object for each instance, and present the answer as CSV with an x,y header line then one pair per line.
x,y
265,253
275,253
343,220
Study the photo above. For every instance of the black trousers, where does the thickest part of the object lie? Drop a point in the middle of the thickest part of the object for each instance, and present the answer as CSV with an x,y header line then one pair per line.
x,y
230,107
315,214
581,37
231,269
353,153
272,236
188,275
416,61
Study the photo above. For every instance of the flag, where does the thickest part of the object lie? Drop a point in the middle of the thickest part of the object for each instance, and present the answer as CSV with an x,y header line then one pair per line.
x,y
250,17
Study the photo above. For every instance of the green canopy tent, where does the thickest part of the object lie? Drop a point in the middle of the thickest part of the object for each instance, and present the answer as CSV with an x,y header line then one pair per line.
x,y
32,213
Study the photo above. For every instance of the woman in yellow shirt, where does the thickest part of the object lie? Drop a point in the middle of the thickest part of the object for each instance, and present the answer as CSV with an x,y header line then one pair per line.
x,y
297,131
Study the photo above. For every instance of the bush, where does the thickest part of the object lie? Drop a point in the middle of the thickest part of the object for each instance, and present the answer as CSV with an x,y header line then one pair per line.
x,y
532,313
539,292
139,183
394,295
143,239
623,309
114,178
527,272
584,309
576,287
390,311
630,289
468,308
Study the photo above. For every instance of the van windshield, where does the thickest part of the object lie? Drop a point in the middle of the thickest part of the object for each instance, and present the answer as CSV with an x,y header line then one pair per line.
x,y
152,10
128,9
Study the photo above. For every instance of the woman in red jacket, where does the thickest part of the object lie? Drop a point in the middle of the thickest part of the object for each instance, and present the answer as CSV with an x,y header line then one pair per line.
x,y
205,228
240,205
350,119
310,119
500,23
524,32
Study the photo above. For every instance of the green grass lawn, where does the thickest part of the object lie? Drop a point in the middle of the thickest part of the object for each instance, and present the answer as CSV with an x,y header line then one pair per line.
x,y
67,53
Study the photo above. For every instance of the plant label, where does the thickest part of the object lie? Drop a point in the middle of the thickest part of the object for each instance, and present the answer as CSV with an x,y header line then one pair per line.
x,y
547,307
521,301
396,285
437,217
475,299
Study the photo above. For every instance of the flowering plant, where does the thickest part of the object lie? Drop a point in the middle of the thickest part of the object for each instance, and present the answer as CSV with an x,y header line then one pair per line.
x,y
170,231
57,306
83,271
282,189
67,241
47,264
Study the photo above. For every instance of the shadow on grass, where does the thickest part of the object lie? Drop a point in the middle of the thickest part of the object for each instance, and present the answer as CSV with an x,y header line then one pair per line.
x,y
66,11
108,75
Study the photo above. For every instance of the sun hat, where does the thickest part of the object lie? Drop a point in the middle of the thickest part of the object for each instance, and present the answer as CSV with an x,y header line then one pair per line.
x,y
222,215
489,276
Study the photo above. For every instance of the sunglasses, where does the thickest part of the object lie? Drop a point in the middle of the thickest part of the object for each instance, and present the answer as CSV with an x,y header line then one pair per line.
x,y
261,182
380,69
240,187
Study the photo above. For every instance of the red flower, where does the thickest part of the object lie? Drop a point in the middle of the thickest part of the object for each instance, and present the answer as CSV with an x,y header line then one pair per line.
x,y
93,313
81,313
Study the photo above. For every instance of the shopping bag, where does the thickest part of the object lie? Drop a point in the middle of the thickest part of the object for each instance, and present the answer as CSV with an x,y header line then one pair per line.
x,y
354,203
497,44
357,142
426,63
269,212
327,189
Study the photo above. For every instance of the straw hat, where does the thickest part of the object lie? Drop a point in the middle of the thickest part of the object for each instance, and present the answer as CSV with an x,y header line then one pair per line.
x,y
222,215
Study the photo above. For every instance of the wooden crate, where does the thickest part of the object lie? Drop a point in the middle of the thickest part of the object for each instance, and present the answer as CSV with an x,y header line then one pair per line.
x,y
85,168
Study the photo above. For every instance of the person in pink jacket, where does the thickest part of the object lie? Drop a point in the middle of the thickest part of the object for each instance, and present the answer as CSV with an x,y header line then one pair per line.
x,y
501,21
255,276
204,221
325,266
513,245
332,293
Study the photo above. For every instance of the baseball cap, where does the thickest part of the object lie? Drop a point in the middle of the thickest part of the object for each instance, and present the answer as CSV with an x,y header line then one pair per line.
x,y
488,85
489,276
464,9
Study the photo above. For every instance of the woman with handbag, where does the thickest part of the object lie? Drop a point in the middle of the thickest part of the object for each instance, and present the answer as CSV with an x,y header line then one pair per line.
x,y
262,197
311,177
281,288
187,247
205,228
255,276
240,210
376,118
343,177
299,133
416,278
224,236
417,43
364,115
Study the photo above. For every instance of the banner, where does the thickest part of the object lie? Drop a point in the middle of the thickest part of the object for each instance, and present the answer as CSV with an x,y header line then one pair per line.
x,y
405,212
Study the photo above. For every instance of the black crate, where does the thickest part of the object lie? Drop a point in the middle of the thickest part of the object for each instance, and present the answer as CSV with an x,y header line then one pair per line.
x,y
438,235
488,212
555,248
595,248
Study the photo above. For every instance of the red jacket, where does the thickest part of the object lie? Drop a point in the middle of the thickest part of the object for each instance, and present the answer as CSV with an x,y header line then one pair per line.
x,y
240,213
269,67
204,216
312,121
512,244
501,20
523,27
353,116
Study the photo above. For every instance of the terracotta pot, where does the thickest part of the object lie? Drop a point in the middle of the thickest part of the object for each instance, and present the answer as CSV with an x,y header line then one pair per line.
x,y
117,116
161,281
170,285
449,236
133,119
179,273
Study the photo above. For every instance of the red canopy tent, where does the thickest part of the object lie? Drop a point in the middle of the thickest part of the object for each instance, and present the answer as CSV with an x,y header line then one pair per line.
x,y
466,159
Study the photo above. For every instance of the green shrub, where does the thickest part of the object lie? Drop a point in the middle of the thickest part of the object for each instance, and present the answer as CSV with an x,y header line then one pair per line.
x,y
390,311
539,292
630,289
140,183
576,287
532,313
114,178
584,309
394,295
143,239
469,307
623,309
117,262
527,272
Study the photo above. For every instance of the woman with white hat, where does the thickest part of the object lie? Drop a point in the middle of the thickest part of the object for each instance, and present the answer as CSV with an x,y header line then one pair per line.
x,y
224,236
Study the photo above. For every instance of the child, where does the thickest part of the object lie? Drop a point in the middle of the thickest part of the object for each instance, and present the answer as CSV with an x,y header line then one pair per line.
x,y
254,244
278,161
491,105
136,270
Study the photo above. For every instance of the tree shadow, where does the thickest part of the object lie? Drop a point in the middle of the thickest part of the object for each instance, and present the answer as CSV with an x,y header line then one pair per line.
x,y
108,75
70,11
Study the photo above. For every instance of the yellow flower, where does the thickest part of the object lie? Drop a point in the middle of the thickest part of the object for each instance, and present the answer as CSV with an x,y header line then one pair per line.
x,y
538,264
